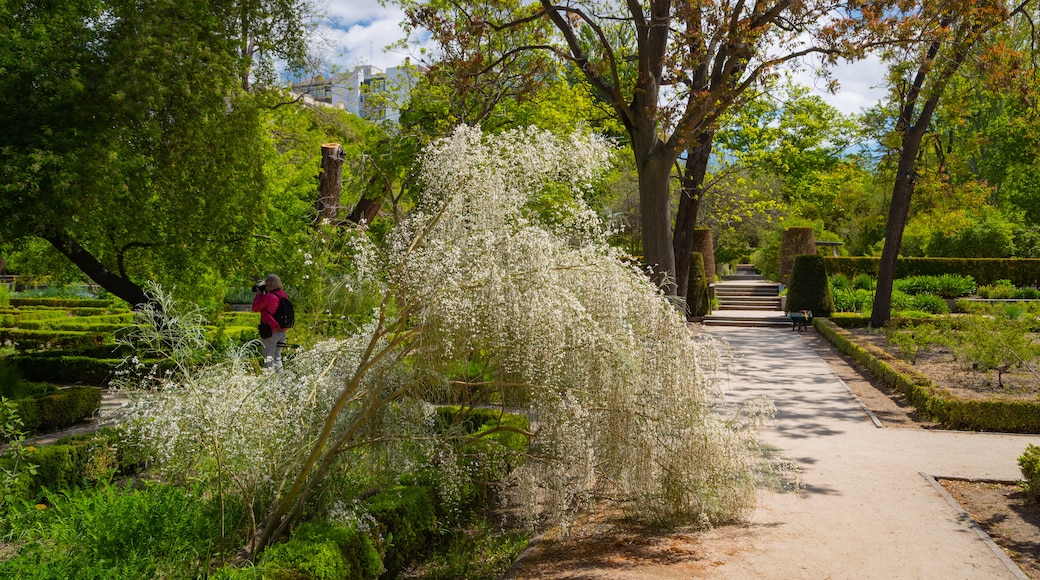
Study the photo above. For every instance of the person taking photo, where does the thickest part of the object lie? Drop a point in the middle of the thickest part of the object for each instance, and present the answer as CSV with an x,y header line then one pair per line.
x,y
269,295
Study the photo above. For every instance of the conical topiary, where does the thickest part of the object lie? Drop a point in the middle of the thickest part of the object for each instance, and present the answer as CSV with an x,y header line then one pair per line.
x,y
809,289
697,288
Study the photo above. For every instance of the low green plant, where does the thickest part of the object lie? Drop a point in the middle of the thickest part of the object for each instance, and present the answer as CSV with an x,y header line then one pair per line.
x,y
484,551
840,282
999,290
999,344
945,285
16,467
852,299
155,531
929,303
317,551
1030,464
864,282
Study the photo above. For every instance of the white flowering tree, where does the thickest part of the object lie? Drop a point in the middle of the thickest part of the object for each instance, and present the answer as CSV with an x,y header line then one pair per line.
x,y
484,295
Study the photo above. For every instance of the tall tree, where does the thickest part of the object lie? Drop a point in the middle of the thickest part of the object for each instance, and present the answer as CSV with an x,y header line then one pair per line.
x,y
950,33
129,143
668,69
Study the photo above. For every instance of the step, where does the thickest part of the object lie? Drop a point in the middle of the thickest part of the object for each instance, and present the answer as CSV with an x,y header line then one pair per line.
x,y
755,291
724,319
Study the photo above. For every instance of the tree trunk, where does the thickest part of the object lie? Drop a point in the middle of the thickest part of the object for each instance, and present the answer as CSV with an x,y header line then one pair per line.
x,y
330,182
655,209
692,190
902,191
116,284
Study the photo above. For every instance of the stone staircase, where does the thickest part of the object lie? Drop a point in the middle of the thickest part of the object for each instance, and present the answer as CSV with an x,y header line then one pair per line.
x,y
746,299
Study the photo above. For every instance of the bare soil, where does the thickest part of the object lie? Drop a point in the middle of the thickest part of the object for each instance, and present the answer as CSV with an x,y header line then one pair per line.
x,y
606,548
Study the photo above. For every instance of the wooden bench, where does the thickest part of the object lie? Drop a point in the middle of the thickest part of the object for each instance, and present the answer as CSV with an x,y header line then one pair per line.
x,y
800,320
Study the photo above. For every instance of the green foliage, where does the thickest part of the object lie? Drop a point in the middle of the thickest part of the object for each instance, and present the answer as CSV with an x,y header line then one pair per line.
x,y
840,281
108,532
15,467
929,399
1030,464
1020,271
929,303
864,282
697,289
407,522
999,344
852,299
809,288
64,408
945,285
910,341
316,551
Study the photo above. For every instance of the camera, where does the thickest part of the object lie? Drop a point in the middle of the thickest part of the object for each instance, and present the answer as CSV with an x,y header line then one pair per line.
x,y
260,287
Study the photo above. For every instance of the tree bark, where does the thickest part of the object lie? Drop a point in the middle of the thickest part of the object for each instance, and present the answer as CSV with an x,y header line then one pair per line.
x,y
117,284
330,182
655,209
692,189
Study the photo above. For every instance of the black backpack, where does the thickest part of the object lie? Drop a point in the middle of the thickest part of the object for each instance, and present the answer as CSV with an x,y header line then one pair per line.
x,y
285,314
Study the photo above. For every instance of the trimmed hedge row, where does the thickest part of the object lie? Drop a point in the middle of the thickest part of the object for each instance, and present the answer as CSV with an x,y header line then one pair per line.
x,y
1021,271
63,302
58,410
24,339
932,401
76,460
65,368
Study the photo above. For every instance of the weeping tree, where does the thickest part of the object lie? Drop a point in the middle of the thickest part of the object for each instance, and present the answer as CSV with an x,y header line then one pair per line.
x,y
483,294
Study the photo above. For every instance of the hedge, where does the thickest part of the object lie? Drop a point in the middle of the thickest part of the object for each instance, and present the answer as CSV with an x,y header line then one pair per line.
x,y
932,401
27,340
407,520
58,410
810,289
65,368
1020,271
63,302
74,460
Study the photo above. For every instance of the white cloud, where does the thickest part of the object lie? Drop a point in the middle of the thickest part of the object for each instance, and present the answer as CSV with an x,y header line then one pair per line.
x,y
360,32
859,85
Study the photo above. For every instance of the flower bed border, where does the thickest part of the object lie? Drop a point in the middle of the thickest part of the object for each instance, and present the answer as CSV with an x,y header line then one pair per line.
x,y
931,400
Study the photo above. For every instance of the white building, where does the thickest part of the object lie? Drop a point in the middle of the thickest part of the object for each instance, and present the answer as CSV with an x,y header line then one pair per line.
x,y
366,91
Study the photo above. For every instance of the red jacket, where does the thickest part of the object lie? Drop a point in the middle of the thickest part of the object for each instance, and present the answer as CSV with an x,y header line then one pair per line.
x,y
266,304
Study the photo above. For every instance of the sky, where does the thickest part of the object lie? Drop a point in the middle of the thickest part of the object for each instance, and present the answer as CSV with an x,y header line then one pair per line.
x,y
360,31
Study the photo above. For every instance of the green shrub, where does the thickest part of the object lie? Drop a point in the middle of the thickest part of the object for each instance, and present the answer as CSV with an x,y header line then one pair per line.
x,y
316,551
36,340
63,302
407,522
840,281
59,409
1000,290
852,299
1030,464
158,531
809,288
864,282
945,285
933,402
1020,271
697,287
929,303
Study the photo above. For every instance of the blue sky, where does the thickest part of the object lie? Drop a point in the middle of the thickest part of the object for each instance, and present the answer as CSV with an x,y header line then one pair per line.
x,y
360,31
